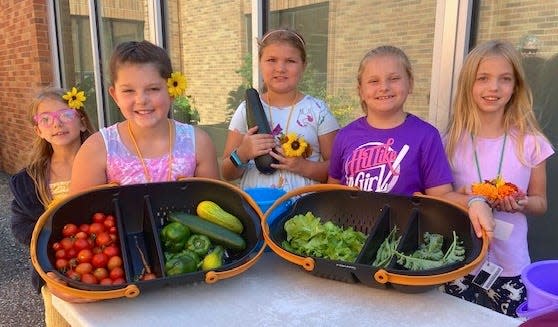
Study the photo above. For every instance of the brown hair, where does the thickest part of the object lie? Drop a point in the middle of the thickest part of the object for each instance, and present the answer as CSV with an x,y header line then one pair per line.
x,y
384,50
518,113
38,167
144,52
283,35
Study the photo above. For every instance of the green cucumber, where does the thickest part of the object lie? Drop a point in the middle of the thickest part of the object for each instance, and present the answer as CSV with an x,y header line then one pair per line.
x,y
217,234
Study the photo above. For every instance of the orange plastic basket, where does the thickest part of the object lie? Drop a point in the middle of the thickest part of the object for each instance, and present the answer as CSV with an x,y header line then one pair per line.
x,y
375,214
141,211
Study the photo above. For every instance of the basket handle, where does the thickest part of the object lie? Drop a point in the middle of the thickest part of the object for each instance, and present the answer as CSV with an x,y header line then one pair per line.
x,y
58,286
307,263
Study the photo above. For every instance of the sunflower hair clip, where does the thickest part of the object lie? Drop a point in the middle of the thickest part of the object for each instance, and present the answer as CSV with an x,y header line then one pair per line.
x,y
75,98
294,145
176,84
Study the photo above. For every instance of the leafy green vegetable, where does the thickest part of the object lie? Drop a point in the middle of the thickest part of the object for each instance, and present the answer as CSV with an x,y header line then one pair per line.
x,y
307,235
430,255
387,249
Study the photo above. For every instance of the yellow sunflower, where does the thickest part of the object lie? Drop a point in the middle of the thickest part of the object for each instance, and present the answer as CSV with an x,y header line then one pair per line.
x,y
176,84
75,98
295,146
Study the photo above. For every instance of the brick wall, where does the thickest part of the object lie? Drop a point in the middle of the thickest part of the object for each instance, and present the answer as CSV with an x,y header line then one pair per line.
x,y
25,66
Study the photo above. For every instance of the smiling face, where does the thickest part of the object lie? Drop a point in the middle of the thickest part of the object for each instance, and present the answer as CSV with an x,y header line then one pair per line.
x,y
141,94
282,67
57,130
494,85
384,85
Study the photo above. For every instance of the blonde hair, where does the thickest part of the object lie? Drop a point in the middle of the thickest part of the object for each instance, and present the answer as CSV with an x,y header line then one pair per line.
x,y
384,50
518,114
38,167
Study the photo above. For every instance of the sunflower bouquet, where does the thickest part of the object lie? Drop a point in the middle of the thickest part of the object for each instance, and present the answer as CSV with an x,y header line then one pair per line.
x,y
496,189
294,145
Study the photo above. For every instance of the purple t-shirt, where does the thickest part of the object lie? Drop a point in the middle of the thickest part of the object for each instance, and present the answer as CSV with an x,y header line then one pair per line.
x,y
402,160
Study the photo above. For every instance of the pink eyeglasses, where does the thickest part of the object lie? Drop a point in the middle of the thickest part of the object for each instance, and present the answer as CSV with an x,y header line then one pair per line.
x,y
46,119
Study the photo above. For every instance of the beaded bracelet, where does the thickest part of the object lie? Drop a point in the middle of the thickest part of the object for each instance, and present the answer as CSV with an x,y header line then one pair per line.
x,y
475,199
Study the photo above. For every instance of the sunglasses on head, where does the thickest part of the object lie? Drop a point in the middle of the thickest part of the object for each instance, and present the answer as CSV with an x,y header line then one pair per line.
x,y
46,119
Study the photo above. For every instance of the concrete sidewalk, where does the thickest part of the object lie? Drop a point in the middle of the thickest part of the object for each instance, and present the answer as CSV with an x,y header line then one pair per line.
x,y
19,304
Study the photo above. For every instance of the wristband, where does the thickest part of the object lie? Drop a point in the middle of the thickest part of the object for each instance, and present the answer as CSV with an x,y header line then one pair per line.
x,y
475,198
235,159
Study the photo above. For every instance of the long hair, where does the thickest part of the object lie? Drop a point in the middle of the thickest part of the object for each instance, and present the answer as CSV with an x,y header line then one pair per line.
x,y
384,50
39,162
518,113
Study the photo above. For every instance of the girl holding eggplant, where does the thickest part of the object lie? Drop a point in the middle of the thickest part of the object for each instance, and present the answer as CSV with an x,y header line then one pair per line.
x,y
302,127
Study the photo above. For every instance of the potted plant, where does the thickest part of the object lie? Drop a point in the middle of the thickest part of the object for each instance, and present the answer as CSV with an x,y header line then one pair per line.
x,y
183,110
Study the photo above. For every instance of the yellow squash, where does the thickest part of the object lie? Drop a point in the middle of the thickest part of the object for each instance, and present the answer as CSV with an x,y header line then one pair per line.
x,y
210,211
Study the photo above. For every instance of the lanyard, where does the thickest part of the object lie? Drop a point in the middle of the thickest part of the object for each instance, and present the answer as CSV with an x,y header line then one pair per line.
x,y
501,157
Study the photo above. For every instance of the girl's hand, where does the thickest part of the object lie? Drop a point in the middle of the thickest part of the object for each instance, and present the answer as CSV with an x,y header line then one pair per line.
x,y
480,214
511,204
255,145
293,164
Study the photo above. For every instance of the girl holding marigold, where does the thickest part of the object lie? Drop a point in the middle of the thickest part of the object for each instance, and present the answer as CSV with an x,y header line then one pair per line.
x,y
61,125
497,151
302,127
147,146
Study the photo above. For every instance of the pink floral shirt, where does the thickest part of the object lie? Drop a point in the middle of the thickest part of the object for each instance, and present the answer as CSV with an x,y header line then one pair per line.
x,y
124,166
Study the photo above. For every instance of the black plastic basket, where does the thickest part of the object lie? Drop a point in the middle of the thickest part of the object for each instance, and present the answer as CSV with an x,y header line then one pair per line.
x,y
141,211
375,214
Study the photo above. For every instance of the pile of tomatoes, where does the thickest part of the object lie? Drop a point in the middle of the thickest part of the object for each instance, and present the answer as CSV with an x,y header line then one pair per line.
x,y
90,253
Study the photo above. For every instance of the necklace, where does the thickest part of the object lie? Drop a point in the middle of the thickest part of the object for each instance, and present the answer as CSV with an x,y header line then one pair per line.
x,y
281,180
288,118
145,171
501,158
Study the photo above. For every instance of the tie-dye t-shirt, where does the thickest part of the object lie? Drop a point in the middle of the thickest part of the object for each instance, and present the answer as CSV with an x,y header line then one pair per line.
x,y
402,160
124,166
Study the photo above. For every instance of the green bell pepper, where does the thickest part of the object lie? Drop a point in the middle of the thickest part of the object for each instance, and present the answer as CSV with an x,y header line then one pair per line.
x,y
174,236
199,244
180,264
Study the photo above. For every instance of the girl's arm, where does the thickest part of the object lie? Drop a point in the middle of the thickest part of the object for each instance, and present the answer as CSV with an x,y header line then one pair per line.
x,y
90,163
315,170
206,156
480,213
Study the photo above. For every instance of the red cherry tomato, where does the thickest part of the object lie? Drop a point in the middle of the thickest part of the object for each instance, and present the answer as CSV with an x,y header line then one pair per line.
x,y
67,243
89,278
81,244
98,217
84,268
114,262
106,281
103,239
69,230
84,255
100,273
111,250
60,254
61,264
96,228
71,253
99,260
56,246
116,273
84,228
81,235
